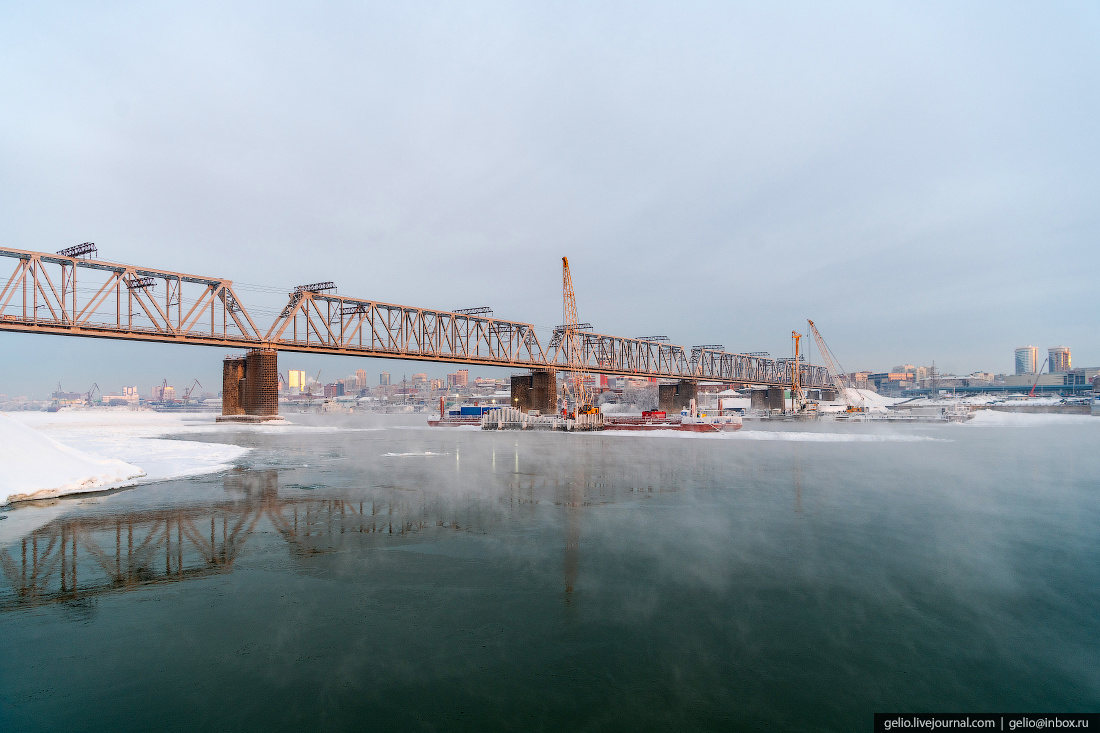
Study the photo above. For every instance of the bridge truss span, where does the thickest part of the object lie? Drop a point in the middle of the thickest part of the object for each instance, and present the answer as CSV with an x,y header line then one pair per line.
x,y
74,296
321,322
604,354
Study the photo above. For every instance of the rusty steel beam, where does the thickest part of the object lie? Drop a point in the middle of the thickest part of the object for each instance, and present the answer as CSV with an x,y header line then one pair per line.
x,y
115,300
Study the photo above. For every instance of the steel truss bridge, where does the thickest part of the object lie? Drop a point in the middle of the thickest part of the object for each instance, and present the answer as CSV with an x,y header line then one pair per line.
x,y
119,301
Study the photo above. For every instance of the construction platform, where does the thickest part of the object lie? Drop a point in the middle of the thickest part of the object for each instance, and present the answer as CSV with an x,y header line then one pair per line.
x,y
509,418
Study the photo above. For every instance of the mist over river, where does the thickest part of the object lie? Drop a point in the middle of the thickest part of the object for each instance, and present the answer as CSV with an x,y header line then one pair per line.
x,y
354,572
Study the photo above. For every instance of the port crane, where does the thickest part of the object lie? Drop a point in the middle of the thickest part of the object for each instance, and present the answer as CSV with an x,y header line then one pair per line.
x,y
189,390
836,374
309,389
582,400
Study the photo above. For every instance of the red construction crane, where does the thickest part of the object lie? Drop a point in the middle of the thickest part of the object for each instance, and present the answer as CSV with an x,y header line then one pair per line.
x,y
1036,382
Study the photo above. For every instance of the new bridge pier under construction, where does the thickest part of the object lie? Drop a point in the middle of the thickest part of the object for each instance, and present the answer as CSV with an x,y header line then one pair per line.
x,y
73,293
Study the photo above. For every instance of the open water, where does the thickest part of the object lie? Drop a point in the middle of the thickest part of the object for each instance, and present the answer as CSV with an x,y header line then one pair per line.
x,y
365,572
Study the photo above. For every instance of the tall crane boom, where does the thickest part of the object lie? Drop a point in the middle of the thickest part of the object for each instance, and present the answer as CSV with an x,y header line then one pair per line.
x,y
1037,375
582,401
798,397
835,373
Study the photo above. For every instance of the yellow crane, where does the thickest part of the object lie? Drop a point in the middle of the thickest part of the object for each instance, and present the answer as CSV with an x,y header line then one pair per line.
x,y
836,374
571,339
798,397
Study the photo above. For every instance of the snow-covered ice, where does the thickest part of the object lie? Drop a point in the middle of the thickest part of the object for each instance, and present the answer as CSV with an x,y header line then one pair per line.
x,y
45,455
35,466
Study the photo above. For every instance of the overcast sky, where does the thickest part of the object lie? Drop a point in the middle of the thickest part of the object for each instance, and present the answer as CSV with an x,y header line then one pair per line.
x,y
920,179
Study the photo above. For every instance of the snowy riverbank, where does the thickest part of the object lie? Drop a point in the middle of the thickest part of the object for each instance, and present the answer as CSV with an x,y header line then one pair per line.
x,y
46,455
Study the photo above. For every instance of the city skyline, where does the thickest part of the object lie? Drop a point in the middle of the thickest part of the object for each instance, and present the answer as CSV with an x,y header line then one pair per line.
x,y
293,380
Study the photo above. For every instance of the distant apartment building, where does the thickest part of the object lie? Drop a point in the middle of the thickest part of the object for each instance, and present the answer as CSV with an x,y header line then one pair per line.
x,y
162,393
419,379
459,379
858,380
296,380
384,379
360,379
1059,359
336,389
1027,360
892,380
439,384
130,394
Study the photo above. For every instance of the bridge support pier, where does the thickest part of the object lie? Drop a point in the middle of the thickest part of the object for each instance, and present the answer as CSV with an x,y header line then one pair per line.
x,y
770,398
675,397
536,391
777,398
250,387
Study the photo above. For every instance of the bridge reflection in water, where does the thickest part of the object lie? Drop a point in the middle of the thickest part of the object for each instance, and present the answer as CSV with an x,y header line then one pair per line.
x,y
86,555
100,551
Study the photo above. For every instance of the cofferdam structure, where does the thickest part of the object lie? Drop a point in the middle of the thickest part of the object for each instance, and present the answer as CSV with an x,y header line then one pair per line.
x,y
73,293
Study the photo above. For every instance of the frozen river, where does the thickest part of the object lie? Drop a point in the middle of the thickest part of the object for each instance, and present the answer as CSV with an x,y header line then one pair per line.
x,y
366,571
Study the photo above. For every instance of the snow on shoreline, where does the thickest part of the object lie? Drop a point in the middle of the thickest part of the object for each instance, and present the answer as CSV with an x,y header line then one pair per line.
x,y
45,455
35,466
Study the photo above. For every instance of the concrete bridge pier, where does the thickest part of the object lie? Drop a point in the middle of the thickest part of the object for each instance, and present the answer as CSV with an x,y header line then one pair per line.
x,y
771,398
250,387
675,397
536,391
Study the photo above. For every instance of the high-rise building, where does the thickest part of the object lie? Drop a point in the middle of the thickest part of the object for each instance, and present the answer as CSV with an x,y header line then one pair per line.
x,y
384,379
1059,359
419,379
1027,360
296,380
459,379
360,379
